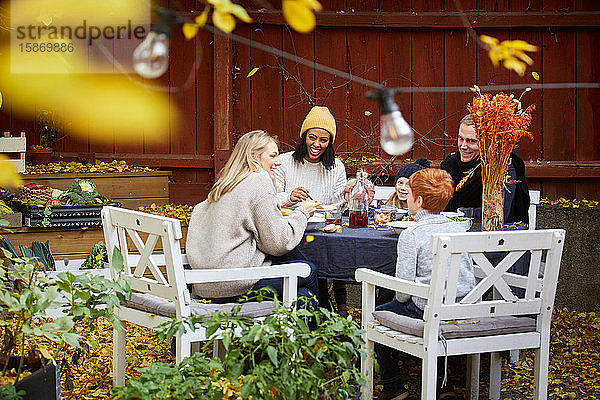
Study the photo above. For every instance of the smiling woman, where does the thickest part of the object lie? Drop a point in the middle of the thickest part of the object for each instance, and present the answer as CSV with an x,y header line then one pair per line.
x,y
311,170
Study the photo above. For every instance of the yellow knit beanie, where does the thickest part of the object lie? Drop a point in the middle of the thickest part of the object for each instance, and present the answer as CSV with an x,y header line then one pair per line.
x,y
319,117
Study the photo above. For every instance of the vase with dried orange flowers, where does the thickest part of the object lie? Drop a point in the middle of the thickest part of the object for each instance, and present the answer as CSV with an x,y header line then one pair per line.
x,y
500,122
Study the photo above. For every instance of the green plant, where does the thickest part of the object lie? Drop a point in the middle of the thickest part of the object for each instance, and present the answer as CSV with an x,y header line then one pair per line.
x,y
26,294
280,358
81,192
96,258
48,127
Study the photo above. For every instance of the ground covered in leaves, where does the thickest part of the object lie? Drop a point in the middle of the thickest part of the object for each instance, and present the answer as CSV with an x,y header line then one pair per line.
x,y
574,361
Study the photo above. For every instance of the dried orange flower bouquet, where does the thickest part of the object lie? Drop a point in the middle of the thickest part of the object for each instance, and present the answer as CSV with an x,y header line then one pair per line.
x,y
500,123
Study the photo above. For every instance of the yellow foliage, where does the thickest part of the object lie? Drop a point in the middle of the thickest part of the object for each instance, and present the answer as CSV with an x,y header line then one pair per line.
x,y
94,104
299,14
74,12
224,12
9,177
189,30
511,53
202,18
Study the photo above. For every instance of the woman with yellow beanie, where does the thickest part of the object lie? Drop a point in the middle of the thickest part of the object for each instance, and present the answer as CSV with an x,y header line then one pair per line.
x,y
312,169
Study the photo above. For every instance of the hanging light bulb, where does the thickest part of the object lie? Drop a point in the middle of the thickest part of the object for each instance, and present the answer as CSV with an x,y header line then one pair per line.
x,y
151,57
396,136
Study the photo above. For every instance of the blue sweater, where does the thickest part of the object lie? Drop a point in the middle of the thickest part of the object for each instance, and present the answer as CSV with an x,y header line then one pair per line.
x,y
415,260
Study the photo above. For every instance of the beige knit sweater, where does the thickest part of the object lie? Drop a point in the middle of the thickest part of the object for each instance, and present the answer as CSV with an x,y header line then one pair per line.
x,y
239,230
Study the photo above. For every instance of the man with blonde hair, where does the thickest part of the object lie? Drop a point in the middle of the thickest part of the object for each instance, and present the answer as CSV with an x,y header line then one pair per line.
x,y
429,190
465,168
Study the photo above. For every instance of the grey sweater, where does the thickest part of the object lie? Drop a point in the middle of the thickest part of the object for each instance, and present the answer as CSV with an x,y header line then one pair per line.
x,y
239,230
415,259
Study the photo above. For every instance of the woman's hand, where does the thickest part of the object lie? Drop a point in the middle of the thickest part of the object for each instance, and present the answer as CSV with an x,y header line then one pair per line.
x,y
299,194
309,206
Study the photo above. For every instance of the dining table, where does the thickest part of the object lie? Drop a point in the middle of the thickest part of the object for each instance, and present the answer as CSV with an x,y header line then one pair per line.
x,y
337,255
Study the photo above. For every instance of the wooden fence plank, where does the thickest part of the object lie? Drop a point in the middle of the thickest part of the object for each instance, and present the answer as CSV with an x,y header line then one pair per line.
x,y
205,92
330,50
183,101
298,86
363,61
241,96
267,82
428,108
460,70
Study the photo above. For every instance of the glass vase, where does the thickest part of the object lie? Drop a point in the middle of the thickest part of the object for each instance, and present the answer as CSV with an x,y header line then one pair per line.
x,y
492,209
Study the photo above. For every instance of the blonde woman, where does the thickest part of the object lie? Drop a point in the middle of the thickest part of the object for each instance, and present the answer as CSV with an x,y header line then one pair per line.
x,y
240,223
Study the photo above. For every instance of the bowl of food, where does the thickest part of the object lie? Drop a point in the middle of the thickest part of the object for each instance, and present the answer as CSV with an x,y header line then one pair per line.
x,y
453,214
381,217
401,213
399,226
313,222
463,221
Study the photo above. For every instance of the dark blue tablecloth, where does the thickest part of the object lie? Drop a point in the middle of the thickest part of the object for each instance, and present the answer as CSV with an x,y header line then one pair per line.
x,y
338,255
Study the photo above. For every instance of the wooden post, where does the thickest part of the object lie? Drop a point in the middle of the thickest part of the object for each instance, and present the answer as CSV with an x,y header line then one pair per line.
x,y
222,101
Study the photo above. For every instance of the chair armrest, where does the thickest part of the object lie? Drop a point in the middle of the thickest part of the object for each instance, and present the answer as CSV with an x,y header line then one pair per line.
x,y
392,283
290,270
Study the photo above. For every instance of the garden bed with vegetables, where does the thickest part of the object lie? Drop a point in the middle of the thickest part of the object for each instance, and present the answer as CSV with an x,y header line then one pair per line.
x,y
129,185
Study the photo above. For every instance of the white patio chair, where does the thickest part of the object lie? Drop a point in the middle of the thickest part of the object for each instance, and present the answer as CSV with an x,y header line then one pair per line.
x,y
478,326
534,201
159,280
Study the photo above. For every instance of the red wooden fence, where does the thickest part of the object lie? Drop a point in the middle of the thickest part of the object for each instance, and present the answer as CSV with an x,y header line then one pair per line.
x,y
421,43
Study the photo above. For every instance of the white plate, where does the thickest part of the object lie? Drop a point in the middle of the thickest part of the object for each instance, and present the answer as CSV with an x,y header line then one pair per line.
x,y
452,214
399,226
326,207
314,221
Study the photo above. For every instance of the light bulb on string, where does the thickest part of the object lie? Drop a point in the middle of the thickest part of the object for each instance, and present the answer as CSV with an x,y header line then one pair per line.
x,y
396,136
151,57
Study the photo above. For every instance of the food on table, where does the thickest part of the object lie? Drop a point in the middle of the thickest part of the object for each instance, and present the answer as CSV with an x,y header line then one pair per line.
x,y
331,228
381,218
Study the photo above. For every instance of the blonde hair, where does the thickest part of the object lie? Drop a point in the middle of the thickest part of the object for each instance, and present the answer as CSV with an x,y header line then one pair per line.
x,y
467,120
435,186
395,201
243,161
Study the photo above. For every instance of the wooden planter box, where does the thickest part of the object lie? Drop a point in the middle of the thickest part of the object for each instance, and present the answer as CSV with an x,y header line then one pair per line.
x,y
67,243
15,219
132,189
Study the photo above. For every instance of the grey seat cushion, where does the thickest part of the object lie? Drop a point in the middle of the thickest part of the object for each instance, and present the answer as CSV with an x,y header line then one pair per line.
x,y
166,308
461,329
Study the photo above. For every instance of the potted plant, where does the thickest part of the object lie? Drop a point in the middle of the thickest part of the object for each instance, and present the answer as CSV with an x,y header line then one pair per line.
x,y
48,129
281,358
31,344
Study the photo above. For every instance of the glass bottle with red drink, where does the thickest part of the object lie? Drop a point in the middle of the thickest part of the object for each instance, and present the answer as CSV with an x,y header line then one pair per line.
x,y
358,205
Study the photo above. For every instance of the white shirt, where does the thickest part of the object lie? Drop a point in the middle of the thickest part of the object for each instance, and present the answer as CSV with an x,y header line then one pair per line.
x,y
324,186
